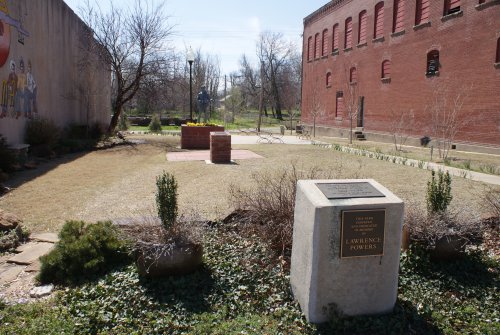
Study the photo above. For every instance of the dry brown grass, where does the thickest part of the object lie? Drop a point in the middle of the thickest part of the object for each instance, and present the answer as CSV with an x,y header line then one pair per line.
x,y
120,182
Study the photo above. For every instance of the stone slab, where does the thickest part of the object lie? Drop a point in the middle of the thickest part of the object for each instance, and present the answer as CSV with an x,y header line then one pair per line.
x,y
34,267
322,281
31,252
45,237
41,291
9,273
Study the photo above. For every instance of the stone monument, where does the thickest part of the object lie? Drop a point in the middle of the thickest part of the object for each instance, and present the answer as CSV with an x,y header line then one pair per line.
x,y
346,248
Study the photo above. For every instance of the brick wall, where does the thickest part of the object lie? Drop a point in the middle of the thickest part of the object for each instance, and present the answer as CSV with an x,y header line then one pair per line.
x,y
466,41
197,137
220,147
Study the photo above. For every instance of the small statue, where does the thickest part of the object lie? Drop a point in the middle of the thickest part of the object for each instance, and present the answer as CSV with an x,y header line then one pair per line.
x,y
203,102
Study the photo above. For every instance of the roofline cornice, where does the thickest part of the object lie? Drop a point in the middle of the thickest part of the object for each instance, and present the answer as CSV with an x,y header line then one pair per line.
x,y
326,9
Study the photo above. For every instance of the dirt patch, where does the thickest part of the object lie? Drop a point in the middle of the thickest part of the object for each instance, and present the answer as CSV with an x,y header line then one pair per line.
x,y
120,182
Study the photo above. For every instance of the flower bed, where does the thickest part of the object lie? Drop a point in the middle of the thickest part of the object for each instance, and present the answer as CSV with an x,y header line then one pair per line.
x,y
197,137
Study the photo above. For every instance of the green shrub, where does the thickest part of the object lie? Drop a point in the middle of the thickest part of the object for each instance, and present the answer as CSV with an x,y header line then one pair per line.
x,y
83,251
7,157
439,192
42,132
166,199
155,125
123,123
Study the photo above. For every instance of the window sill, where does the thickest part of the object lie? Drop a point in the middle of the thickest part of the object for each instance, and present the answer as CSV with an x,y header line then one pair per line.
x,y
385,80
378,39
452,16
487,4
432,74
328,86
422,25
398,33
497,65
354,83
325,56
362,45
335,52
348,49
339,118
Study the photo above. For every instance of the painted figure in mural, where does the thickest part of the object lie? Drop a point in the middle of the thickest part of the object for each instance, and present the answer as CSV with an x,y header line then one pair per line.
x,y
20,95
203,101
30,94
9,89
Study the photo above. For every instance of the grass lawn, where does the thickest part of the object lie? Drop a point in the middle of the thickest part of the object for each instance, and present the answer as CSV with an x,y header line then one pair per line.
x,y
242,287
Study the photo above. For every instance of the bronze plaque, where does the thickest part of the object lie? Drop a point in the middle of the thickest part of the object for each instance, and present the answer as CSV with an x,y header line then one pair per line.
x,y
349,190
362,233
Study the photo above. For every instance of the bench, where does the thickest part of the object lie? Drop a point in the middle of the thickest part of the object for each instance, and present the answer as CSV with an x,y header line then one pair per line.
x,y
269,137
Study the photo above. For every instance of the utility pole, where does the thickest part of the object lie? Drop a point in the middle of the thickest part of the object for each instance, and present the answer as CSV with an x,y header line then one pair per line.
x,y
261,98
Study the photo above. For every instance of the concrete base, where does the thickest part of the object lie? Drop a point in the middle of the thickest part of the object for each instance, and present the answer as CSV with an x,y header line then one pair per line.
x,y
321,280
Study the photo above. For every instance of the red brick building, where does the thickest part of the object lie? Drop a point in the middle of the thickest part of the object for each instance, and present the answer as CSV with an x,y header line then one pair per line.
x,y
412,66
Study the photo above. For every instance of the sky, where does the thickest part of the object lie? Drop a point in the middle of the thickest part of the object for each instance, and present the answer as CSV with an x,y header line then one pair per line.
x,y
228,28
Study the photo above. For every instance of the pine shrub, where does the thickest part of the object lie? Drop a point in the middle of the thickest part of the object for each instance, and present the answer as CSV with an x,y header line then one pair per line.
x,y
439,192
83,251
166,199
155,125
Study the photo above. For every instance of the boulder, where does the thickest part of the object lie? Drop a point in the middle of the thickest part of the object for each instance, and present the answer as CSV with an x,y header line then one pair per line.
x,y
8,221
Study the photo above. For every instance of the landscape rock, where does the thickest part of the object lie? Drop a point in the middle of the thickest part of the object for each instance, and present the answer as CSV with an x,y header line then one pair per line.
x,y
31,252
41,291
8,221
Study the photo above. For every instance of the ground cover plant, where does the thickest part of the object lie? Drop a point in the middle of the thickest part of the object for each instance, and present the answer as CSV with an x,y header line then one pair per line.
x,y
243,288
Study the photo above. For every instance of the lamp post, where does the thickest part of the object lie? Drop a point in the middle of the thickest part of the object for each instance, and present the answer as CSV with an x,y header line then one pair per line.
x,y
190,59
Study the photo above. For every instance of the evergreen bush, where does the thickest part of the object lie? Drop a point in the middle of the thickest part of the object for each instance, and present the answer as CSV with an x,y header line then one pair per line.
x,y
166,199
155,125
83,251
123,123
439,192
7,157
42,132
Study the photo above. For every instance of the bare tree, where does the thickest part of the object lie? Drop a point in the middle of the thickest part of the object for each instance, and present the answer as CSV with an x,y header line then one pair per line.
x,y
206,73
447,115
131,41
274,51
402,124
351,96
316,108
234,104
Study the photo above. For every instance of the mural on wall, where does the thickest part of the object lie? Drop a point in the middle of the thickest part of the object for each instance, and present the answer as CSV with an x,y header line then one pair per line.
x,y
19,89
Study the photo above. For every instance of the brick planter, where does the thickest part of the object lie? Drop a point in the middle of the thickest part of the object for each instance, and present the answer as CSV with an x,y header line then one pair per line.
x,y
220,147
197,137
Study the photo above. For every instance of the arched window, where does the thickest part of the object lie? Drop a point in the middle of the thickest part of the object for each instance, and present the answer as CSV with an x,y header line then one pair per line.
x,y
378,30
353,75
348,33
432,63
363,18
335,37
386,69
317,46
422,12
309,48
324,41
398,20
328,79
497,58
451,6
